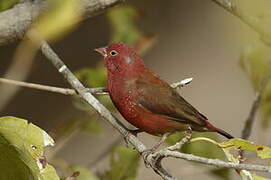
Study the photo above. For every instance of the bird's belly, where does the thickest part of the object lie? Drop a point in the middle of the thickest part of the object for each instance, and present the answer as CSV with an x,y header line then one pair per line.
x,y
143,119
151,123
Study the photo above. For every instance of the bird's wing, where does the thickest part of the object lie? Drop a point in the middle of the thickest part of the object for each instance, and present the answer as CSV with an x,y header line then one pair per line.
x,y
158,97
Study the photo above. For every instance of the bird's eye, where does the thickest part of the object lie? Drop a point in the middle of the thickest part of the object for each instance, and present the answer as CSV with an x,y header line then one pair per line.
x,y
113,53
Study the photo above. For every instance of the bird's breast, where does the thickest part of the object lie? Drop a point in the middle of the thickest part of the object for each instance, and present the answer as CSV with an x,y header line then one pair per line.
x,y
122,94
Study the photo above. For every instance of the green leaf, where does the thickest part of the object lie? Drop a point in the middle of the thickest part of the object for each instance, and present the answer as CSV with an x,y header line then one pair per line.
x,y
239,144
85,173
124,164
22,146
6,4
263,152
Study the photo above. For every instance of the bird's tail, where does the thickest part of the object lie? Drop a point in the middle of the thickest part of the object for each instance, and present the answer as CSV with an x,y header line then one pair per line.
x,y
220,131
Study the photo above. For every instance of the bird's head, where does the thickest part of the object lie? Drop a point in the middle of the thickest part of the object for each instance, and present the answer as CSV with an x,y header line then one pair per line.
x,y
120,58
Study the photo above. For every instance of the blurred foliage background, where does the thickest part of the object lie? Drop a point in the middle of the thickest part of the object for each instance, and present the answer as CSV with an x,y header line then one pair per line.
x,y
229,61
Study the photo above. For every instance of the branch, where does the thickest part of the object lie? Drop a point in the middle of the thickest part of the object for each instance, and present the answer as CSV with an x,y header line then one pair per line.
x,y
14,22
215,162
67,91
153,159
246,132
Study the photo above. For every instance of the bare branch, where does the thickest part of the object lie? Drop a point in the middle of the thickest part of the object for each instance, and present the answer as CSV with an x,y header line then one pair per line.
x,y
215,162
14,22
67,91
246,132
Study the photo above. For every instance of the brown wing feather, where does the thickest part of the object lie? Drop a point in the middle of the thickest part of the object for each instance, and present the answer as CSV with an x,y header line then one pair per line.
x,y
162,99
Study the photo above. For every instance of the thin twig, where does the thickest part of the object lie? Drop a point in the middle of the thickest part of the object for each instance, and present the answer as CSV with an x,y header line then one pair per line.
x,y
67,91
246,132
215,162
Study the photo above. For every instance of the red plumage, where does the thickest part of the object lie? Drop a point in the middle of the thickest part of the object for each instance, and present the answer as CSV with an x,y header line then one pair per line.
x,y
146,101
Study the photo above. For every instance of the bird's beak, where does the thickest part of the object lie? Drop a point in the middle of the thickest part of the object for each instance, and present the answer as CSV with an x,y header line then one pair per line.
x,y
102,51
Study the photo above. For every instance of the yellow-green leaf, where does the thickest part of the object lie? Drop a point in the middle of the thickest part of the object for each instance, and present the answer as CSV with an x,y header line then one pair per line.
x,y
22,146
226,147
263,152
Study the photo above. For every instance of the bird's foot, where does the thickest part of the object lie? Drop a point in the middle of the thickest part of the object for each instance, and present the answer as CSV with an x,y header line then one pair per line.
x,y
129,132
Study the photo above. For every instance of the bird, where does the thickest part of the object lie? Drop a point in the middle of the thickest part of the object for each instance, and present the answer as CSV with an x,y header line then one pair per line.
x,y
145,100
